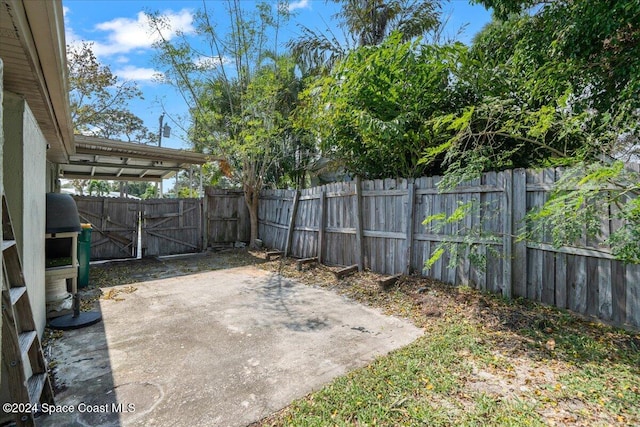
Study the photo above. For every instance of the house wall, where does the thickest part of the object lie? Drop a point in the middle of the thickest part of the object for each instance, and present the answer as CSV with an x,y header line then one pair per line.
x,y
25,187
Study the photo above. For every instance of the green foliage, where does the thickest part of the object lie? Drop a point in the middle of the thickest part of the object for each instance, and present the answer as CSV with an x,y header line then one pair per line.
x,y
98,188
151,193
373,111
138,188
188,193
364,23
553,85
584,197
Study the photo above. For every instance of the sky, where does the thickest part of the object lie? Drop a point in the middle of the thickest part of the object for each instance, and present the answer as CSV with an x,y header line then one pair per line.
x,y
118,31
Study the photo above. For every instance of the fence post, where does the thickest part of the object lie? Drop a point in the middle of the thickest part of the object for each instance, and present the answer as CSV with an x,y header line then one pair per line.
x,y
518,226
507,233
205,221
359,231
292,222
411,194
322,219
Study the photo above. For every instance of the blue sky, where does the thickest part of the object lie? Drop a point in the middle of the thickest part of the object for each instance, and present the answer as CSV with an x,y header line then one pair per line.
x,y
121,41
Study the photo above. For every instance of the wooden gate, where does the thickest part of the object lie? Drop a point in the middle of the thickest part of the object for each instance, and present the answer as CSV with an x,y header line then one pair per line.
x,y
171,226
227,219
115,225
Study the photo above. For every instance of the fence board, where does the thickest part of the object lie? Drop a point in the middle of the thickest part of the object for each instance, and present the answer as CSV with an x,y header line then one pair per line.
x,y
519,210
632,300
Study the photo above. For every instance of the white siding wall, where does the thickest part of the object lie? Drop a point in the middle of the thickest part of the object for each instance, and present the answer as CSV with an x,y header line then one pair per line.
x,y
25,186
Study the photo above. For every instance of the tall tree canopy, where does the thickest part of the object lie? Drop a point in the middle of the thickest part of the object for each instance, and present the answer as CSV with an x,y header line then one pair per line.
x,y
364,23
99,100
373,112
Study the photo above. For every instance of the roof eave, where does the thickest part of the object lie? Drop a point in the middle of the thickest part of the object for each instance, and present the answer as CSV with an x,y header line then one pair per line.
x,y
41,26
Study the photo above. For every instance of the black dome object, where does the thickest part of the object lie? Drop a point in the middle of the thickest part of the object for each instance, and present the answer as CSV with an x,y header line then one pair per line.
x,y
62,214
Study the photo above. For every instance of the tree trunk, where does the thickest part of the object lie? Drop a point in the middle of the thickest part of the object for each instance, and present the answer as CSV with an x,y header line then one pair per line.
x,y
251,198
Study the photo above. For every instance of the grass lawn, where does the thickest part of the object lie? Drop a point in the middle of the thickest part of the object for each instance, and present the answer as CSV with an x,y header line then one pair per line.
x,y
482,361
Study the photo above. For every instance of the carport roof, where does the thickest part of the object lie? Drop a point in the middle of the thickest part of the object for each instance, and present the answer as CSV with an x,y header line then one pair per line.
x,y
98,158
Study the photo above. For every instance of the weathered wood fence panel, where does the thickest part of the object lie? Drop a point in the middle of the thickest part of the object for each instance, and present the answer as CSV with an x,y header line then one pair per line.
x,y
171,226
227,217
115,225
379,225
274,214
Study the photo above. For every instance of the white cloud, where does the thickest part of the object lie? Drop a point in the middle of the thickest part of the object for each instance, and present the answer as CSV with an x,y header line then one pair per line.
x,y
126,34
71,38
300,4
209,63
131,72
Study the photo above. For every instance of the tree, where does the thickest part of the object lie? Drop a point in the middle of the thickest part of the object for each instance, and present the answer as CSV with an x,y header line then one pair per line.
x,y
373,112
138,188
151,192
230,91
365,23
555,84
99,187
99,101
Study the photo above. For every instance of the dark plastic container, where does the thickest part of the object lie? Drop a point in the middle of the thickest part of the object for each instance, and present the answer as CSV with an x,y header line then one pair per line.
x,y
84,256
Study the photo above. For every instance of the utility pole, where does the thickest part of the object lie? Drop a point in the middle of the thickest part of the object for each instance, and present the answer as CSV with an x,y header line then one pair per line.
x,y
160,145
160,130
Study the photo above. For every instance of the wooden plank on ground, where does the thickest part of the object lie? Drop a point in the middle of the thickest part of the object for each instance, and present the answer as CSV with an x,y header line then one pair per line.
x,y
304,261
273,254
344,272
386,282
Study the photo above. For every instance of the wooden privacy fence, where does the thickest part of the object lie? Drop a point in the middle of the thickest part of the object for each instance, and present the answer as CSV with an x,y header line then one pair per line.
x,y
378,225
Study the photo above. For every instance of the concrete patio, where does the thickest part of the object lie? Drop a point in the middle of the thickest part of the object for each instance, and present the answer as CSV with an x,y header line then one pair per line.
x,y
220,348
